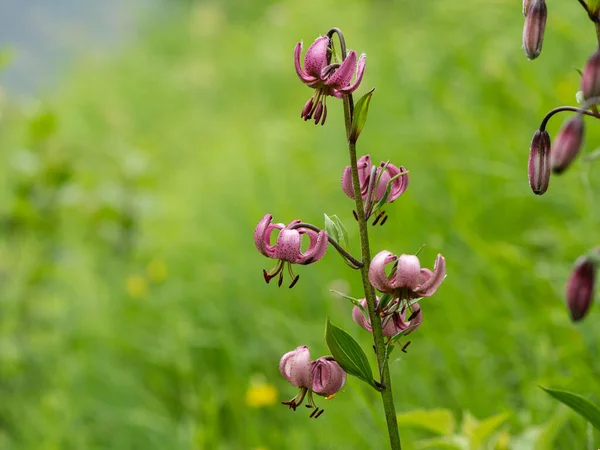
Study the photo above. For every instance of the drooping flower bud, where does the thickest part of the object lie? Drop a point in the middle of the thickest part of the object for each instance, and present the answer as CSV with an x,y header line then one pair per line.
x,y
567,144
533,30
580,288
539,162
328,376
295,367
590,79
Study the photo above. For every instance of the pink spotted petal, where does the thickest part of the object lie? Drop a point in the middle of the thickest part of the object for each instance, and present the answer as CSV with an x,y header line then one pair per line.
x,y
382,185
287,247
341,78
429,287
316,57
364,173
295,366
262,235
408,272
316,249
359,317
306,78
347,182
359,75
399,185
377,275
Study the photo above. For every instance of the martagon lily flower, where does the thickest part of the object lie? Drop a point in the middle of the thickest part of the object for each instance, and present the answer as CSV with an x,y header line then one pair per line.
x,y
378,179
328,79
287,247
393,323
323,377
407,280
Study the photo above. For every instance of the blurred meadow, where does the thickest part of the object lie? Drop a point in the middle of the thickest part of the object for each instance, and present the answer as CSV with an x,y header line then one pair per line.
x,y
133,310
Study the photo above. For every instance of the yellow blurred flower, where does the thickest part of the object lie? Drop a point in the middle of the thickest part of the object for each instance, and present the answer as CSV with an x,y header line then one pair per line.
x,y
261,393
136,286
156,270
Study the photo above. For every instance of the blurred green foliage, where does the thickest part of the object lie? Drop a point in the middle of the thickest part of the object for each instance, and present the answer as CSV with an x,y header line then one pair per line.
x,y
133,312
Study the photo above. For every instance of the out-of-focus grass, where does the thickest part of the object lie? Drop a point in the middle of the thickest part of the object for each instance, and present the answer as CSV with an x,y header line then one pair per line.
x,y
133,309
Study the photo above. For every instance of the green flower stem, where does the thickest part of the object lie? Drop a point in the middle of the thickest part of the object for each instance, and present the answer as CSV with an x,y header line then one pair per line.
x,y
386,389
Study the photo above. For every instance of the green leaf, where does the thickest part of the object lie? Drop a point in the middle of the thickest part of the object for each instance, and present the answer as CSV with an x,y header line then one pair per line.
x,y
331,228
354,301
438,421
486,428
579,404
343,233
348,353
361,111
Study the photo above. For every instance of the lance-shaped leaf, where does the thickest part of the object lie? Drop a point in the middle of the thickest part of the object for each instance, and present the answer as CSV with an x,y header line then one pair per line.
x,y
348,353
579,404
361,111
336,229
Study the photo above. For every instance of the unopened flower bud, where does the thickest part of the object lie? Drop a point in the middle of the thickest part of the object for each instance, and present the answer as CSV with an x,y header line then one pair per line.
x,y
295,367
580,288
535,24
539,162
328,376
590,79
567,144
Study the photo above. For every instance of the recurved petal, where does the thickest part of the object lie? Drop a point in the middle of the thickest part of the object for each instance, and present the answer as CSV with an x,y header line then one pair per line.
x,y
359,317
316,57
341,78
316,248
259,233
295,366
364,173
377,275
400,184
359,75
407,273
262,235
429,287
306,78
287,247
347,182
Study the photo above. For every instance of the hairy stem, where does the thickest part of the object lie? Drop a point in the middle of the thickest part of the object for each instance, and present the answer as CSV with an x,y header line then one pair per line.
x,y
380,349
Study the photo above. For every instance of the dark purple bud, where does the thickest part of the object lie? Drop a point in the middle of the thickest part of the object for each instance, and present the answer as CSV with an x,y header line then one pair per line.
x,y
567,144
590,80
535,24
580,288
539,162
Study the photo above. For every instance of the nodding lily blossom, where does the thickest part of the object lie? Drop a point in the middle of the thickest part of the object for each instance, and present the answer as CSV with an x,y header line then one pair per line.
x,y
393,323
580,288
328,79
407,280
287,247
323,377
383,175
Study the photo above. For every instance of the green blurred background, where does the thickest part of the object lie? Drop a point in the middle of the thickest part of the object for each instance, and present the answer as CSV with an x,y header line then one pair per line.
x,y
133,311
